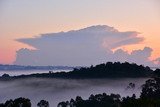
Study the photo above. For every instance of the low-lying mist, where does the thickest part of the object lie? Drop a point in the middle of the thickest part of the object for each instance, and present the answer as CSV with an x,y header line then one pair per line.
x,y
57,90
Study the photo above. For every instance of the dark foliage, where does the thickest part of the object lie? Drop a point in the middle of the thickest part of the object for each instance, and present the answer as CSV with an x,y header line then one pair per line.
x,y
99,100
5,76
110,69
151,89
107,70
43,103
19,102
156,73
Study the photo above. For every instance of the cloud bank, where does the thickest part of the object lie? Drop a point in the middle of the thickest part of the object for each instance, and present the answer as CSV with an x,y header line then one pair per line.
x,y
91,45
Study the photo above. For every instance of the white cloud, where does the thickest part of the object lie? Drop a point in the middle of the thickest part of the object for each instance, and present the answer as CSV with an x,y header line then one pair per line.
x,y
91,45
136,56
157,61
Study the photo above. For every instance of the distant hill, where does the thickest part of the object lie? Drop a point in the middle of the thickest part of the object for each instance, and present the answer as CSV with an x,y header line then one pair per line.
x,y
108,70
19,67
105,70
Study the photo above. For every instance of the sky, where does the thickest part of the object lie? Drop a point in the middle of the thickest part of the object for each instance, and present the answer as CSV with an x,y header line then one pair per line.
x,y
24,19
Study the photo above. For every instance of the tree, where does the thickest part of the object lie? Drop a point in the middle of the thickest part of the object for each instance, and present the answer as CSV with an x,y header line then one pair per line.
x,y
9,103
62,104
156,73
151,89
2,105
5,76
131,86
43,103
21,102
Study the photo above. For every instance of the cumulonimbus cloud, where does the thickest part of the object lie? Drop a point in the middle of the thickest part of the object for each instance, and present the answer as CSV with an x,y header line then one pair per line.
x,y
91,45
157,61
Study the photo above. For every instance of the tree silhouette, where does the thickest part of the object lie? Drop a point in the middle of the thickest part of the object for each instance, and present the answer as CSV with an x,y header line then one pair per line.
x,y
156,73
151,89
5,76
21,102
43,103
104,70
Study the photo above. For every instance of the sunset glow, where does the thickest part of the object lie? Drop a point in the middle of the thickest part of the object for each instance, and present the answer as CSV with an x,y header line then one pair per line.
x,y
27,19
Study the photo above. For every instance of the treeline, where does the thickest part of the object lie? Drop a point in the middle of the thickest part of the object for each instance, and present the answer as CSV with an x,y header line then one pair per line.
x,y
115,69
150,97
105,70
23,102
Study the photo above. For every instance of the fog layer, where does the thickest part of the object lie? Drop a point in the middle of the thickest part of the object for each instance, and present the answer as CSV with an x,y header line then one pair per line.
x,y
57,90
